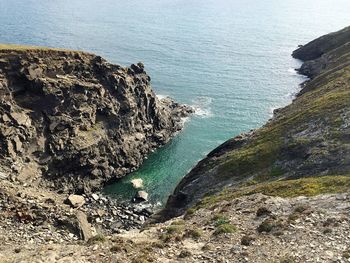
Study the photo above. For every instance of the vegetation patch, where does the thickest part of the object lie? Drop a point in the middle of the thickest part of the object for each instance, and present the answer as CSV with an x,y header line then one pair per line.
x,y
266,226
99,238
194,233
310,186
225,229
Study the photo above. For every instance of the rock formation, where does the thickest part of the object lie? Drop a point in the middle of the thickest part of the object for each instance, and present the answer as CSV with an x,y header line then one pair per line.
x,y
73,121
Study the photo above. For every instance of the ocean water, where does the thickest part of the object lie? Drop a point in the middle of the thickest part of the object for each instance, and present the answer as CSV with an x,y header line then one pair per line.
x,y
230,59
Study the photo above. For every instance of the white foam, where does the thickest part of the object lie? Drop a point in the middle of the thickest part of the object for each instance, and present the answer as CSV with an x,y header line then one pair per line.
x,y
184,120
161,96
201,106
293,71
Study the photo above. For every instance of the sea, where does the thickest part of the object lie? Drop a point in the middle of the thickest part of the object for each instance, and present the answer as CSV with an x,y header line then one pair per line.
x,y
229,59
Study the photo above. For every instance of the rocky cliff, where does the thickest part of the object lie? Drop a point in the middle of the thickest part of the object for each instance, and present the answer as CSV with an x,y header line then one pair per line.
x,y
308,140
72,121
277,194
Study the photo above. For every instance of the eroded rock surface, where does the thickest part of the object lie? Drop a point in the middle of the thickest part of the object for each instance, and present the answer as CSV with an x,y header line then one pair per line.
x,y
73,121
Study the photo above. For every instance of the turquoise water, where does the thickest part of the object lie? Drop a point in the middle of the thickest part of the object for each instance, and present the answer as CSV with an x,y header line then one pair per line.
x,y
230,59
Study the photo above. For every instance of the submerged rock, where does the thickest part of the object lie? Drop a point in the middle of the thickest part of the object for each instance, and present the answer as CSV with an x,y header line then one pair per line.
x,y
137,183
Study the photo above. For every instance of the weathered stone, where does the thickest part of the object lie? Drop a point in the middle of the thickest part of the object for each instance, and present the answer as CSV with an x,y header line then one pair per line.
x,y
137,183
76,200
83,226
95,197
141,196
3,176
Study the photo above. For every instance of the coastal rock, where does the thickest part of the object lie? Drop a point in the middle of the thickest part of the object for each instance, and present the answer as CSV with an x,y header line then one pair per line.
x,y
95,197
324,44
78,120
141,196
137,183
76,200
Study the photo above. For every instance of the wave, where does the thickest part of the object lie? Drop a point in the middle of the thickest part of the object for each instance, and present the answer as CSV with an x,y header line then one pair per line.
x,y
293,71
201,106
161,96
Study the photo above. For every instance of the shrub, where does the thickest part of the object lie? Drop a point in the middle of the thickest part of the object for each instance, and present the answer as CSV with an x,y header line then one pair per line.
x,y
247,240
99,238
194,233
266,226
225,229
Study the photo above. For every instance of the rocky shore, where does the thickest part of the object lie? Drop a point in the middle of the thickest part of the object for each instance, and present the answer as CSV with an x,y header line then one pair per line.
x,y
71,122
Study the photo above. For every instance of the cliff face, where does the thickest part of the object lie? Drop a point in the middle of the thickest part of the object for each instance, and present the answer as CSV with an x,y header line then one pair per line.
x,y
74,121
307,139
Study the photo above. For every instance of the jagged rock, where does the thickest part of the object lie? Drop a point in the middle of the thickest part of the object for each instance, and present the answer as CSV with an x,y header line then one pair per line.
x,y
76,200
78,119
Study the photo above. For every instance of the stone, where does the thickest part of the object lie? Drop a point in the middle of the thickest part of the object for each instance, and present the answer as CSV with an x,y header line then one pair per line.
x,y
137,183
76,200
3,176
141,196
83,225
95,197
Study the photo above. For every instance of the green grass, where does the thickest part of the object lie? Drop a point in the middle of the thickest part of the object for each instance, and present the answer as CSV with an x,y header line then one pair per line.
x,y
225,229
329,94
310,186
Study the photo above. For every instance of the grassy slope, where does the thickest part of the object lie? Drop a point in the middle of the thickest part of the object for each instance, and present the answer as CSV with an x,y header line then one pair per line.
x,y
308,138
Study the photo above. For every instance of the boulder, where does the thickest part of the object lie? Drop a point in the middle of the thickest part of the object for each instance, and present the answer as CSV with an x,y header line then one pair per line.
x,y
76,224
137,183
3,175
75,201
83,226
141,196
95,197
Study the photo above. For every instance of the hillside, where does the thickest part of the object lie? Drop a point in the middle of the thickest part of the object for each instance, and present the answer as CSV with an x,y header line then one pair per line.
x,y
307,139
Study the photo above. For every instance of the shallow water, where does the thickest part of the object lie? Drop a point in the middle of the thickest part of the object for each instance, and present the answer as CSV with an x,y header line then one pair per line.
x,y
230,59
